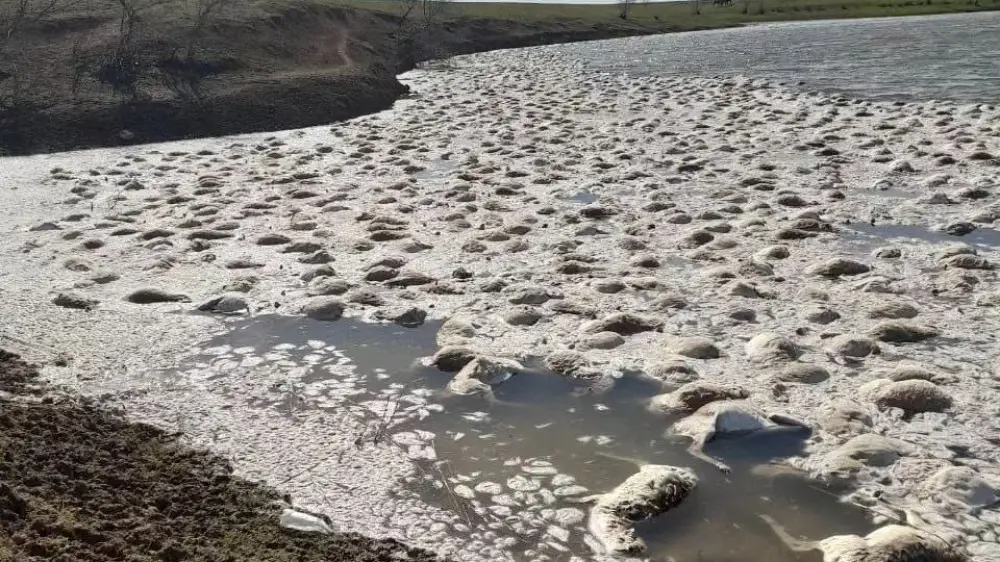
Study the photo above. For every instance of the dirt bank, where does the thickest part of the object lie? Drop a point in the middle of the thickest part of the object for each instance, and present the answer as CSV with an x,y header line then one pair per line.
x,y
257,67
240,106
78,483
69,80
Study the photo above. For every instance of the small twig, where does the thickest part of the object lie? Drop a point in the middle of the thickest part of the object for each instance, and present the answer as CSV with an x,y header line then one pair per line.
x,y
458,505
306,470
386,419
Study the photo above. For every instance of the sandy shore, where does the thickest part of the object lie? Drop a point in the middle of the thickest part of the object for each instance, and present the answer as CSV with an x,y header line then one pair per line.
x,y
533,203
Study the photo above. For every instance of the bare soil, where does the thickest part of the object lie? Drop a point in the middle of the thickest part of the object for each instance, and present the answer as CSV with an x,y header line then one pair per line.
x,y
274,65
266,66
79,483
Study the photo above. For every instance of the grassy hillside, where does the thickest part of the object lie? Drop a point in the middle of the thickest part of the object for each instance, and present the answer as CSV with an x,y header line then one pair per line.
x,y
90,73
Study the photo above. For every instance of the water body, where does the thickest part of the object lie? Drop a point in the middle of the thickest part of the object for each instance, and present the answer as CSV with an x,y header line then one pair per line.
x,y
584,197
984,238
586,436
544,435
952,57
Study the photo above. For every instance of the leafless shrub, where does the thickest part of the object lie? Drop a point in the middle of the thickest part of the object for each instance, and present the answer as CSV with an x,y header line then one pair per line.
x,y
16,90
184,70
17,79
416,32
183,74
127,64
17,15
80,61
624,7
202,13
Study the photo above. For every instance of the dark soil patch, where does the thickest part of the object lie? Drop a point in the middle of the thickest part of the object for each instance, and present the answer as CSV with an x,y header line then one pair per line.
x,y
79,483
15,376
279,64
263,104
262,67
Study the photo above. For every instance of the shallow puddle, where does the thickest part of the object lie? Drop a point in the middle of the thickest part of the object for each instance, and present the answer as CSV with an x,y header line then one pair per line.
x,y
912,234
583,197
378,348
518,467
543,423
436,169
319,362
892,193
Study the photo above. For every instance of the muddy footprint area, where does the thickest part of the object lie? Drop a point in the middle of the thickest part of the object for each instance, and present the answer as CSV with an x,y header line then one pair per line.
x,y
79,483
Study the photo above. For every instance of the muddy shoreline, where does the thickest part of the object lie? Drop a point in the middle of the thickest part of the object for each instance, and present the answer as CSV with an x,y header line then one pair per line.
x,y
295,66
276,67
79,482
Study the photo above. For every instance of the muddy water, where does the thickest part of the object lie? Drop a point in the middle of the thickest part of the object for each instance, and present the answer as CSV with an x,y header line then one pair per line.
x,y
519,466
869,59
986,238
584,197
542,417
436,169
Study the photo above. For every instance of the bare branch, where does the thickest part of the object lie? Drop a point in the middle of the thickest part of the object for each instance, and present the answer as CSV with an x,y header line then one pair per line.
x,y
424,13
433,10
127,64
15,15
406,9
624,7
17,79
203,11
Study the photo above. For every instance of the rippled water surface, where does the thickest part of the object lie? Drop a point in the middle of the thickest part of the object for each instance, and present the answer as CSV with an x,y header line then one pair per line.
x,y
955,57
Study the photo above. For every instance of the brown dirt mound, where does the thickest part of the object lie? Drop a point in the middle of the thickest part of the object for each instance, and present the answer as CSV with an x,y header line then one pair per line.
x,y
79,483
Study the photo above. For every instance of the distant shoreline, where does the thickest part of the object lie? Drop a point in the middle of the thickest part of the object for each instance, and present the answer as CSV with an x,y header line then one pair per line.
x,y
282,67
